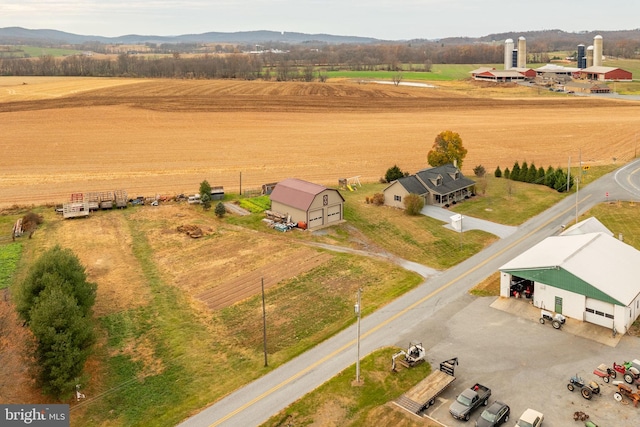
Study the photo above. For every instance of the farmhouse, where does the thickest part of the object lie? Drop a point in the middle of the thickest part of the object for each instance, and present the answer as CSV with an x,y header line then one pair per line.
x,y
305,202
585,273
440,186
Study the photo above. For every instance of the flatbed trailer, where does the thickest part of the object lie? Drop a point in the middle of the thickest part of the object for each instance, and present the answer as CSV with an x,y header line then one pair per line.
x,y
424,394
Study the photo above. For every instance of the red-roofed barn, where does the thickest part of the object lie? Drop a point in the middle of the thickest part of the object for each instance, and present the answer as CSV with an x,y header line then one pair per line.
x,y
315,205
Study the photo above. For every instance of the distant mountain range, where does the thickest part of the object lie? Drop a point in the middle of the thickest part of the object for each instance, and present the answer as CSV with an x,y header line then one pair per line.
x,y
21,36
18,35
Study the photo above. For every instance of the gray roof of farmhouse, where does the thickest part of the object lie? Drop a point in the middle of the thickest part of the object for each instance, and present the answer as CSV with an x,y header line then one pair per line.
x,y
448,181
413,185
439,180
297,193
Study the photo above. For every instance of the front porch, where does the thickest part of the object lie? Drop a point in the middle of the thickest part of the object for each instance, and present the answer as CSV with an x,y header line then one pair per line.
x,y
448,199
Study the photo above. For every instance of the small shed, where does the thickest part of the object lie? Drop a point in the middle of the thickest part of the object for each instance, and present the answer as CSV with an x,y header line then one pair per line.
x,y
304,202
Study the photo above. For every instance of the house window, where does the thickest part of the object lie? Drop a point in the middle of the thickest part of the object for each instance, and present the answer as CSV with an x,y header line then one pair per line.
x,y
397,198
439,181
456,175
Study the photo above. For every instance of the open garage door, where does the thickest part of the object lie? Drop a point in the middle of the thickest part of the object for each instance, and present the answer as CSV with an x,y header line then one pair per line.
x,y
316,218
599,312
334,214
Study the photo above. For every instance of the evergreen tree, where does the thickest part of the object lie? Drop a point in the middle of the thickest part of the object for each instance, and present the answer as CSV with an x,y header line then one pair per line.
x,y
393,173
560,182
531,175
507,173
56,301
498,172
64,337
550,177
515,172
59,267
524,171
540,176
220,210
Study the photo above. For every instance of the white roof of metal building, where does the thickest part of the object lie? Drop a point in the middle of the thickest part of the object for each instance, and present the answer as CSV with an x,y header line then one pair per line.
x,y
589,225
599,259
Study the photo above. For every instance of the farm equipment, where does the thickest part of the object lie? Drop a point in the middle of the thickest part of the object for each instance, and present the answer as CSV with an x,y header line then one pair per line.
x,y
604,372
586,389
625,390
415,354
630,371
557,320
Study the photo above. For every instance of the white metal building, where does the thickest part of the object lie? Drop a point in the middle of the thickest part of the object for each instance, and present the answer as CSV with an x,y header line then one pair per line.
x,y
583,274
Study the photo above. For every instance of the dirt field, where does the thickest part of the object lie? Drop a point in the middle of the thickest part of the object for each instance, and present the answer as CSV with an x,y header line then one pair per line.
x,y
166,136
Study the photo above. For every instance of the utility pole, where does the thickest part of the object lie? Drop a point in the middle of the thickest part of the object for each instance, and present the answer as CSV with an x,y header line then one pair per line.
x,y
358,310
264,326
578,182
568,174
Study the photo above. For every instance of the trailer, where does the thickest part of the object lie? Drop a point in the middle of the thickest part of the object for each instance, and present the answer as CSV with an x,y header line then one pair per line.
x,y
106,200
75,209
121,199
94,201
424,394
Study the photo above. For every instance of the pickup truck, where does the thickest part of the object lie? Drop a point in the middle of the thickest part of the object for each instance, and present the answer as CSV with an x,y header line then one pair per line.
x,y
469,400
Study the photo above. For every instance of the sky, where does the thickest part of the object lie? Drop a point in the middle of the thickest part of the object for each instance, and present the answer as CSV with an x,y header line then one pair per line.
x,y
381,19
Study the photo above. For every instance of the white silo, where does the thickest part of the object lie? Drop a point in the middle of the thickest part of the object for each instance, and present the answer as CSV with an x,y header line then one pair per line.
x,y
597,51
508,54
589,57
522,52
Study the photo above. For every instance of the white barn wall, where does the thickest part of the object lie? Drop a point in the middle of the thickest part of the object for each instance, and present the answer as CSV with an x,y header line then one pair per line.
x,y
505,284
544,296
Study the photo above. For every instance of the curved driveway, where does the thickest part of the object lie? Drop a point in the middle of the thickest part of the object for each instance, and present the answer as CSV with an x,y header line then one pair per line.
x,y
408,318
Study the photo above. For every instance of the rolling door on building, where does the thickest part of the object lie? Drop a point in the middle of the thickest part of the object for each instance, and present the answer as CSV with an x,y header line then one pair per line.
x,y
599,312
333,214
316,218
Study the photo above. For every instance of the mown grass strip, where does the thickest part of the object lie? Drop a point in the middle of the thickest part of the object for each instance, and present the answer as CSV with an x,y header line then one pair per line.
x,y
9,258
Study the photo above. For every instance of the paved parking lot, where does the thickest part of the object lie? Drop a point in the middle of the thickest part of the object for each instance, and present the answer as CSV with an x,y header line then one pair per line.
x,y
527,364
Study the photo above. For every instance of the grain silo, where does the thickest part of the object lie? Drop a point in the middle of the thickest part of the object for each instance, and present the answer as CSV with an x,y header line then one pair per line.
x,y
581,59
508,54
597,51
522,52
589,62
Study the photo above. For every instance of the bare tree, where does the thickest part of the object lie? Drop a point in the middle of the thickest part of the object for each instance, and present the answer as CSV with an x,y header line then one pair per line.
x,y
397,78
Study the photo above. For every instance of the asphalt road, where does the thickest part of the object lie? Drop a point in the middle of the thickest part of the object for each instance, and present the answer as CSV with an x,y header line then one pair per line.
x,y
426,315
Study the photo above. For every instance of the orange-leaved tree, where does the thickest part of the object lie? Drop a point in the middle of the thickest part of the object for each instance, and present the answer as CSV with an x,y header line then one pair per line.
x,y
447,148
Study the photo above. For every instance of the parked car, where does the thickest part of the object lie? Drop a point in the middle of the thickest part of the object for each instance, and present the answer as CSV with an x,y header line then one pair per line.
x,y
530,418
496,414
469,400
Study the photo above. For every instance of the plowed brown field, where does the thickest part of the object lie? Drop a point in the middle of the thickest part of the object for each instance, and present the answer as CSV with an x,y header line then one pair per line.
x,y
165,136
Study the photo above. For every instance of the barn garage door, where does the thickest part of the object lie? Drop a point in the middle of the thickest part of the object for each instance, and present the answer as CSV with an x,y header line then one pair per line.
x,y
599,312
333,214
316,218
